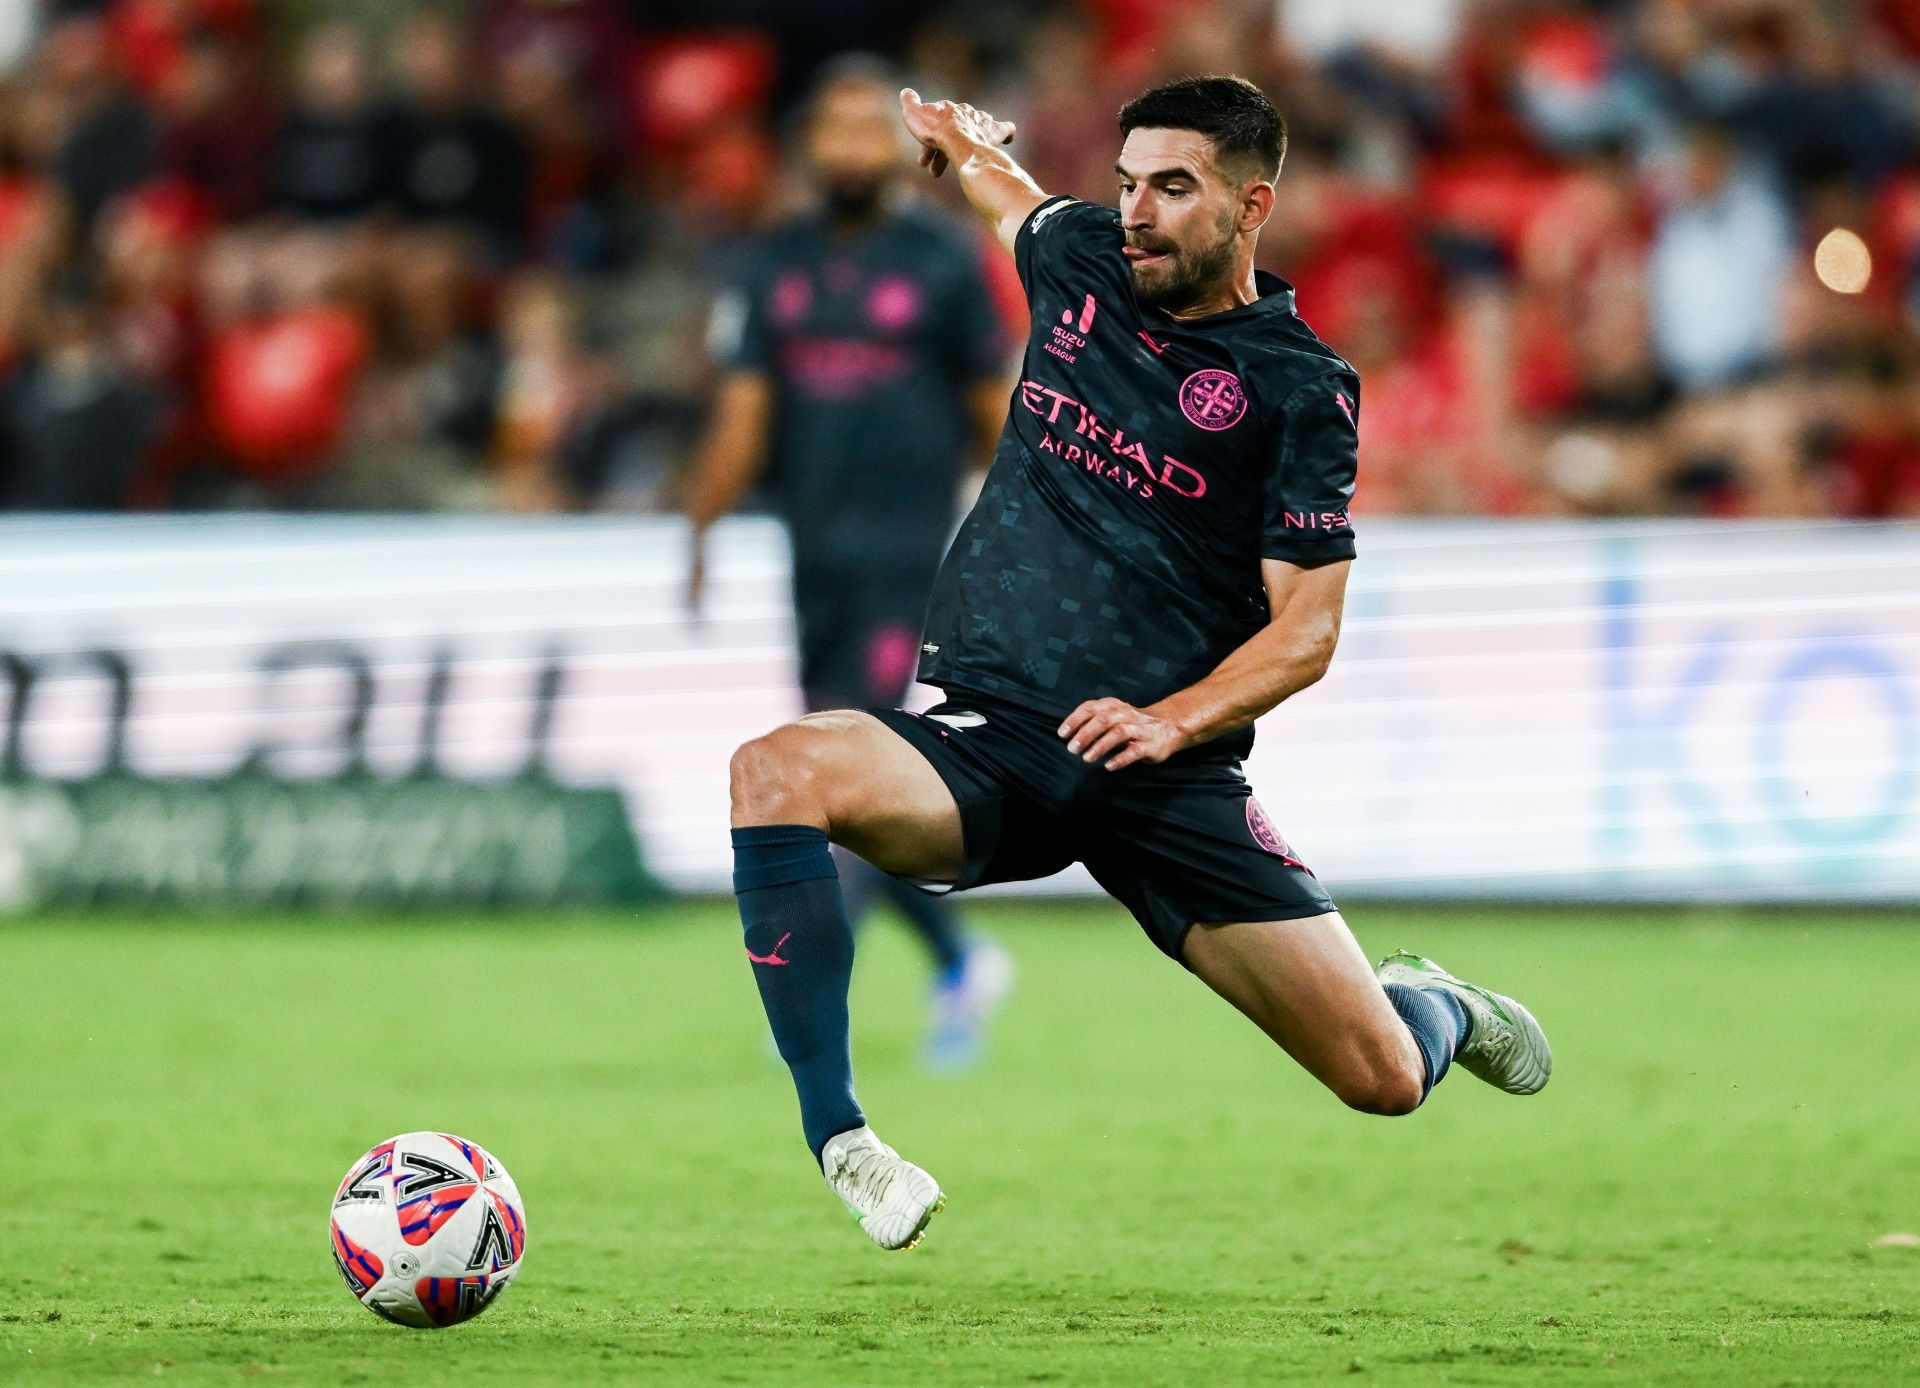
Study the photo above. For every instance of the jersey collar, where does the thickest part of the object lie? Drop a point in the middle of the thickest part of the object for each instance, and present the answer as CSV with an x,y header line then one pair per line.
x,y
1276,296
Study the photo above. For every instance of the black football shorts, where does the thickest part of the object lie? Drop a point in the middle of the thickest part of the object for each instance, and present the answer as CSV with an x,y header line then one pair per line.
x,y
859,634
1177,843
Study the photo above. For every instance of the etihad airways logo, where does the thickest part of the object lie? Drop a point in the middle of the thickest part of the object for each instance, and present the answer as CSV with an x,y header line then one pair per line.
x,y
1108,452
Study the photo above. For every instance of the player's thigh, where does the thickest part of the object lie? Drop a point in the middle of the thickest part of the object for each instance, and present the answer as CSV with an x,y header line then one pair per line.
x,y
870,789
1306,983
1186,848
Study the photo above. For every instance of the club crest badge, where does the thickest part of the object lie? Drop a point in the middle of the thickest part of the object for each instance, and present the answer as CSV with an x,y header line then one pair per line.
x,y
1213,399
1268,837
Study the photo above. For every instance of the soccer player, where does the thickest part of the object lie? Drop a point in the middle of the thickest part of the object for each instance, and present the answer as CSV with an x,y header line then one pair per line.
x,y
1159,556
862,357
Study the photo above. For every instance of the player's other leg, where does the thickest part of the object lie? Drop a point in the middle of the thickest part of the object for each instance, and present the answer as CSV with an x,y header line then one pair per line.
x,y
859,648
1185,843
840,778
1380,1040
1307,985
1505,1045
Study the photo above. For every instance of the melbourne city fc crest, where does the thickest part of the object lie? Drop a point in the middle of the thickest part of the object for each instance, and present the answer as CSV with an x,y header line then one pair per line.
x,y
1213,399
1268,837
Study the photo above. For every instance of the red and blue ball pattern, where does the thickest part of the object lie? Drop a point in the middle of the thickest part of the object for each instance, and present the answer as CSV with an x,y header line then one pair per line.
x,y
358,1266
427,1229
421,1217
450,1300
516,1222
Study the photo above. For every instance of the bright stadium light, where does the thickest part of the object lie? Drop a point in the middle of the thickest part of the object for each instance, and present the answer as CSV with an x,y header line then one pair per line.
x,y
1842,261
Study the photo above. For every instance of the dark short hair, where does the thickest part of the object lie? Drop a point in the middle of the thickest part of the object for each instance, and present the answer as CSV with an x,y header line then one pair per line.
x,y
1230,111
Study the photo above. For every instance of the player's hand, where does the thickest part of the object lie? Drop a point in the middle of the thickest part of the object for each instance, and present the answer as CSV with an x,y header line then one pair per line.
x,y
943,128
1120,734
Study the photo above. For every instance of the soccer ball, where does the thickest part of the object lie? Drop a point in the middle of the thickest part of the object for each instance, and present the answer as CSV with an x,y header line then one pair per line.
x,y
428,1229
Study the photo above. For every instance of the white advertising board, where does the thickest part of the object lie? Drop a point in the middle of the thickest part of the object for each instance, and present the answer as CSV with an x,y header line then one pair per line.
x,y
1544,710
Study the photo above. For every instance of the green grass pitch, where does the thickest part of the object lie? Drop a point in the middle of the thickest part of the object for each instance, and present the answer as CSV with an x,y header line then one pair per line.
x,y
1142,1190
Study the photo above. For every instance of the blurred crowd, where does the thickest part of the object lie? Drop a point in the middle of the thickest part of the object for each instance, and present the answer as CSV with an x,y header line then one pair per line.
x,y
1588,256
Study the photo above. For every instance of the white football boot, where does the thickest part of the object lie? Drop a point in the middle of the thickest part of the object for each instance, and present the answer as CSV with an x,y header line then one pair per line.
x,y
893,1199
1505,1047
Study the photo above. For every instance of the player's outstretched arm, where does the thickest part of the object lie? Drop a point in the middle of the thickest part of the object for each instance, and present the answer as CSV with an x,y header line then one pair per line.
x,y
974,143
1291,652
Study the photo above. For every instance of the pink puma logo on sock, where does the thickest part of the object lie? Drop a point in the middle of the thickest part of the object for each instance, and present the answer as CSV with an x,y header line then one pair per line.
x,y
773,956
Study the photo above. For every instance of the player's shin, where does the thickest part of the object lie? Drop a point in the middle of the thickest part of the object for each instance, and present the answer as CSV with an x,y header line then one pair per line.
x,y
801,949
1438,1023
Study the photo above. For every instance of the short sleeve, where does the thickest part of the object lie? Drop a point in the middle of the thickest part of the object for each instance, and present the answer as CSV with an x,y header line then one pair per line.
x,y
737,334
1064,236
1310,484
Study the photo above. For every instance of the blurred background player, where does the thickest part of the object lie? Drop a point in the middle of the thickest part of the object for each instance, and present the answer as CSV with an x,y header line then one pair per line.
x,y
862,371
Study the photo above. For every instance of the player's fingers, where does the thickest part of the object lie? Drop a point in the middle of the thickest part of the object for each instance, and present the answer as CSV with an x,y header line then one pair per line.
x,y
1094,727
1090,720
1003,131
1128,755
1075,719
939,164
1109,742
909,98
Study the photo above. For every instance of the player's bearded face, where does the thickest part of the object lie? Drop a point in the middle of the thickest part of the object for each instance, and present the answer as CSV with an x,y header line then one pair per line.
x,y
1183,268
1180,212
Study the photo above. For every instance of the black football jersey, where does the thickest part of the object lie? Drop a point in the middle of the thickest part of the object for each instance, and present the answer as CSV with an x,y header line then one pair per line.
x,y
1147,466
872,344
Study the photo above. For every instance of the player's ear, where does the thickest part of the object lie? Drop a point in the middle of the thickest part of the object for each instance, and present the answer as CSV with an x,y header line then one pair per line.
x,y
1256,205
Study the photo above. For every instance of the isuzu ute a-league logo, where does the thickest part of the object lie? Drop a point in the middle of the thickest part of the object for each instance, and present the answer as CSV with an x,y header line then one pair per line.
x,y
1067,343
1213,399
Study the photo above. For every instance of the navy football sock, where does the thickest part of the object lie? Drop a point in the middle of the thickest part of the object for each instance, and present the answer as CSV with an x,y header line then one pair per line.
x,y
1438,1023
802,951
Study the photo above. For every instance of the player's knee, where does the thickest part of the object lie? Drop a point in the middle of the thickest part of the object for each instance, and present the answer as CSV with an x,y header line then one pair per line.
x,y
1388,1090
774,779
